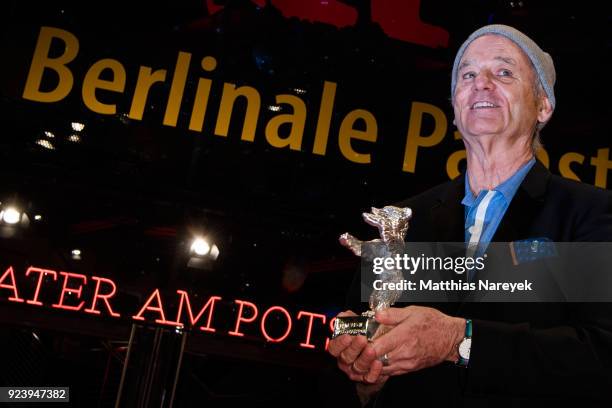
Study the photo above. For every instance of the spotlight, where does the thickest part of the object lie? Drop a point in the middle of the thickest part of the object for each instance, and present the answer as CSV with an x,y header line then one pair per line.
x,y
50,135
200,247
38,217
76,254
10,215
77,126
202,254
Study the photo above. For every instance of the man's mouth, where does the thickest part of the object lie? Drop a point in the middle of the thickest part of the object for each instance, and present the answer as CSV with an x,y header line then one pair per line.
x,y
483,105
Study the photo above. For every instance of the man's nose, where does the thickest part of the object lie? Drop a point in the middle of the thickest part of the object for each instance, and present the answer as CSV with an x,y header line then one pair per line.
x,y
484,80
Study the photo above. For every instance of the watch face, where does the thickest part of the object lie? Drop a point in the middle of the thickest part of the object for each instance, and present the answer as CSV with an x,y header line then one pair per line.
x,y
464,348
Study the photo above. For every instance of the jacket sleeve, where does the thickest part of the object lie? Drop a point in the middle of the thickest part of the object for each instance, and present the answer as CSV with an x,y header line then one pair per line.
x,y
573,359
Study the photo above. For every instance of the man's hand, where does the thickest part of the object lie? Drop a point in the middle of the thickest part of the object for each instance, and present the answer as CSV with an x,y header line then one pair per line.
x,y
419,337
356,357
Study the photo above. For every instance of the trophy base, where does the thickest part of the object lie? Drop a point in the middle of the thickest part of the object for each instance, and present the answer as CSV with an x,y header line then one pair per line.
x,y
364,325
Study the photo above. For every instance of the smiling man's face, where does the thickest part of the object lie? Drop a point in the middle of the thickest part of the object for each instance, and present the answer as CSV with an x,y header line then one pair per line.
x,y
495,92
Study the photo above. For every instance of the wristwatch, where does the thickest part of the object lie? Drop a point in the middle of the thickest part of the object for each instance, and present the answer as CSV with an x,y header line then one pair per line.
x,y
465,345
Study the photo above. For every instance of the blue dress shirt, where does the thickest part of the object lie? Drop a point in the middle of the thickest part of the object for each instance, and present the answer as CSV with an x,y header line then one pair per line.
x,y
484,212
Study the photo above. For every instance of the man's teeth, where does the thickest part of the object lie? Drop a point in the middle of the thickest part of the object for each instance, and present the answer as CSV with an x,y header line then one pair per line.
x,y
478,105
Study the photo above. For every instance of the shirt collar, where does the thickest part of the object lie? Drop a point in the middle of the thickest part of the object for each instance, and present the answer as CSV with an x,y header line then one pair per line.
x,y
507,188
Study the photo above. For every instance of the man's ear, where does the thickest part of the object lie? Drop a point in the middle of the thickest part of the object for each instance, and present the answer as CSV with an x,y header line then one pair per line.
x,y
545,110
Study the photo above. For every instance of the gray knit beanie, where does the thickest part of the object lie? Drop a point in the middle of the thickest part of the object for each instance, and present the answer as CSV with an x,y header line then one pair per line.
x,y
542,62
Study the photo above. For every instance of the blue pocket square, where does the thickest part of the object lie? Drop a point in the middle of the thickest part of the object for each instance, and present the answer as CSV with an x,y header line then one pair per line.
x,y
532,249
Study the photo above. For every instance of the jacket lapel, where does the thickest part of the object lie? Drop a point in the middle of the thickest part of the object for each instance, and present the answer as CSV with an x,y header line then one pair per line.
x,y
527,202
447,213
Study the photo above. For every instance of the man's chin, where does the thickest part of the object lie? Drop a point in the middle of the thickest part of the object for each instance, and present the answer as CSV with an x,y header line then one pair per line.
x,y
485,131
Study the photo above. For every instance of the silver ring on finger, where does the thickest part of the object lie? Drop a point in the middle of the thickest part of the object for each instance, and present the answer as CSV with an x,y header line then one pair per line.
x,y
385,360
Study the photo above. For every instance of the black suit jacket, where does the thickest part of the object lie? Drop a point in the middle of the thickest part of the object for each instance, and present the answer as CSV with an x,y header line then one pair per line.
x,y
523,354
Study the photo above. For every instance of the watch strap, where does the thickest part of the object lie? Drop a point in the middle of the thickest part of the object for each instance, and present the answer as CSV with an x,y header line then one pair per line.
x,y
463,362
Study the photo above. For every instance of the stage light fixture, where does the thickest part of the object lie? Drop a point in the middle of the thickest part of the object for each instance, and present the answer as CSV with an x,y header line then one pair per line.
x,y
76,254
200,246
77,126
10,215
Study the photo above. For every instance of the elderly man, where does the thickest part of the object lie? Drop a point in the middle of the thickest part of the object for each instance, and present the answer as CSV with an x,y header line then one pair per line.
x,y
494,354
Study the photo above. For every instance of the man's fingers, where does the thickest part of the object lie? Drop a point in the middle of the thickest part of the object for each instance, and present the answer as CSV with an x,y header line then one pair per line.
x,y
399,367
373,375
350,372
392,315
394,369
339,344
389,370
355,356
365,359
386,343
344,367
350,354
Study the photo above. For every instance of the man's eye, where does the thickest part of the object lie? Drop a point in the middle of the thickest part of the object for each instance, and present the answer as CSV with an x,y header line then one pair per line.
x,y
469,75
505,72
